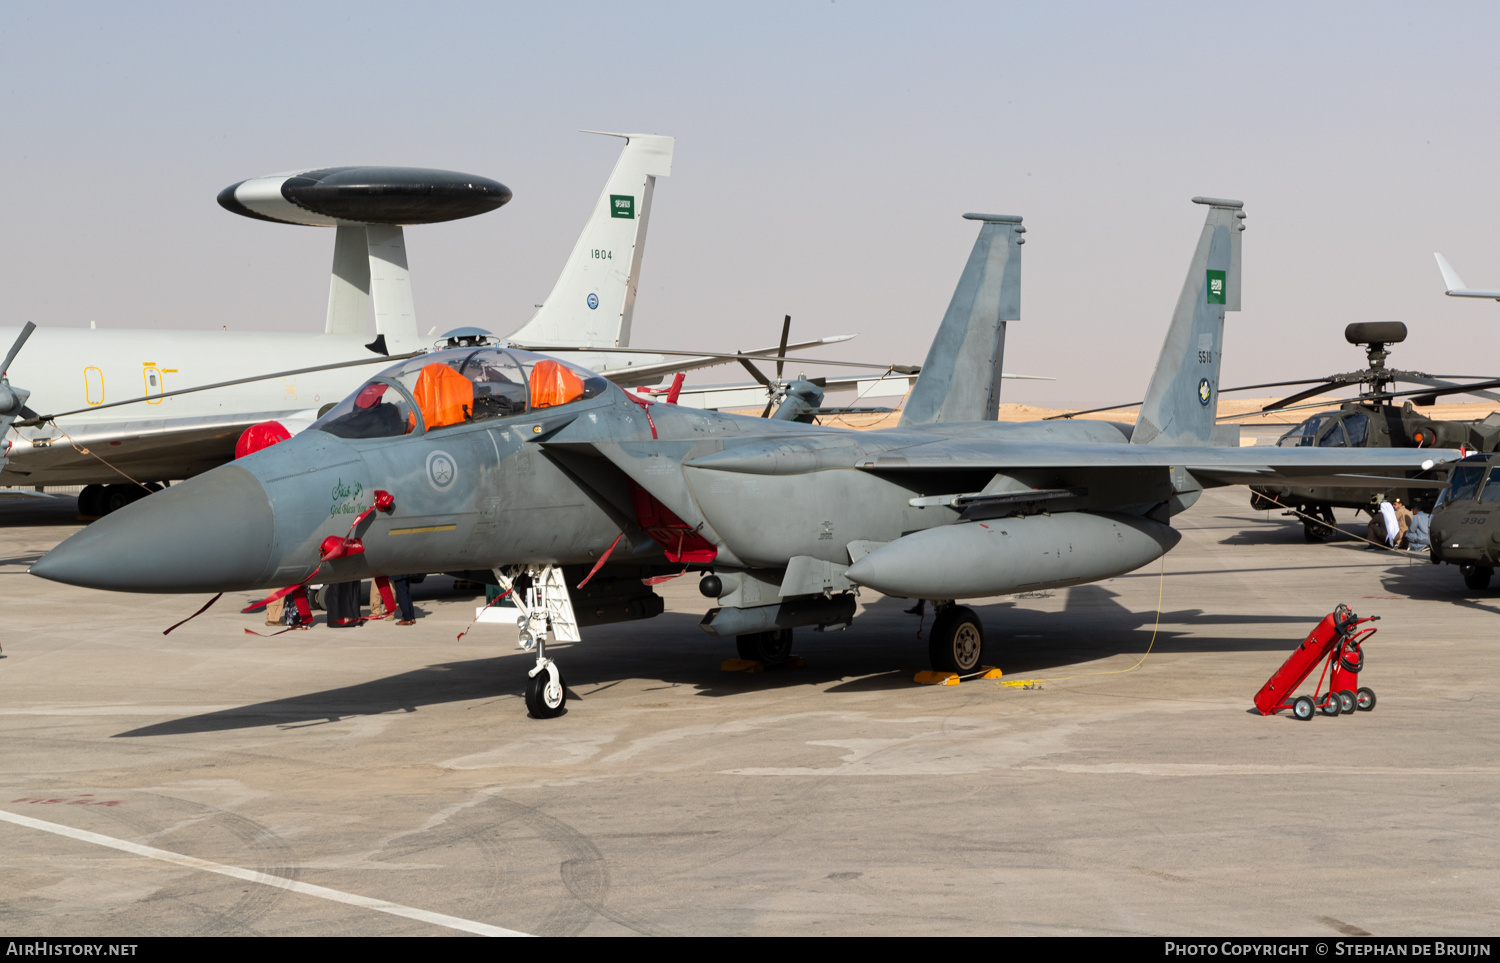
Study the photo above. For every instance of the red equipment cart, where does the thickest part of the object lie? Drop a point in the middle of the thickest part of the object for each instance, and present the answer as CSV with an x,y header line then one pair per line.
x,y
1336,643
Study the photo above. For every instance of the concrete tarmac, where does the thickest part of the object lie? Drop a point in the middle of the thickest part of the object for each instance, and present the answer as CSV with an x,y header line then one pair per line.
x,y
386,780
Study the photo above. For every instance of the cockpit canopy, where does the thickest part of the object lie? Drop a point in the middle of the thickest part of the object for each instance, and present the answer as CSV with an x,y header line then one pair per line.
x,y
447,388
1348,429
1467,483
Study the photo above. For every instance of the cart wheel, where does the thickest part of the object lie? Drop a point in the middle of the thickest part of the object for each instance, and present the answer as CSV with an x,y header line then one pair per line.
x,y
1364,699
1346,701
1302,708
1330,704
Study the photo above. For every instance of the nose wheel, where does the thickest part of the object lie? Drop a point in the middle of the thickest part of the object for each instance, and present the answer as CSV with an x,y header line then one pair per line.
x,y
545,693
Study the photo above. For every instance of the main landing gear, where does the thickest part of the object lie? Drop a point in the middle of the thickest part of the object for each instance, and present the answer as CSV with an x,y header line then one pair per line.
x,y
767,648
956,641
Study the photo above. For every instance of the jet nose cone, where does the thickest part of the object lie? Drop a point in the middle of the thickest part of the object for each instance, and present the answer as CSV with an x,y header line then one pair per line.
x,y
211,533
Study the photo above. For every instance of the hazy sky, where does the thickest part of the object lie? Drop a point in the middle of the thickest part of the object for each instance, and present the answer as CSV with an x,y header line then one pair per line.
x,y
824,154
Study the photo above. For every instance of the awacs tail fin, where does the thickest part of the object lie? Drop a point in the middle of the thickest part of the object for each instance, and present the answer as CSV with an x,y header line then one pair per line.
x,y
960,380
1183,398
592,303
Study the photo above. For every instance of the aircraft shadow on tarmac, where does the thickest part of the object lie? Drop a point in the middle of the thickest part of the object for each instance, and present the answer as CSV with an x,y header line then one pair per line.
x,y
881,652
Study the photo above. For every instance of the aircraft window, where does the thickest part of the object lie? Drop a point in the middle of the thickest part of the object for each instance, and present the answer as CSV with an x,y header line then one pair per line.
x,y
1333,437
445,396
555,382
1491,491
457,387
1358,427
1463,484
1304,434
378,410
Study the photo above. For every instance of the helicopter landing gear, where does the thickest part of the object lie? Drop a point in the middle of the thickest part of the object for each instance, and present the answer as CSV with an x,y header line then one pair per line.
x,y
1476,577
1322,529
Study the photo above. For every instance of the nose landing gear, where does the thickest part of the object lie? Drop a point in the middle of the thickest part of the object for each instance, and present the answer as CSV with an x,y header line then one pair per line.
x,y
541,598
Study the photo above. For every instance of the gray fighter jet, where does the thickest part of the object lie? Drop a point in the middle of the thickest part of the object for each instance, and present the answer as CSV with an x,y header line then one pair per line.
x,y
570,492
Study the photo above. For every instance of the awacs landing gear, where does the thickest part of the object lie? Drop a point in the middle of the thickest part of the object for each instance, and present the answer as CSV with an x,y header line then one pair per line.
x,y
97,500
956,642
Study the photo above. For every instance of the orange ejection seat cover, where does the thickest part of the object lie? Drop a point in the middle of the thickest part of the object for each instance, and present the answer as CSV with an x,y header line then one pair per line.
x,y
445,396
553,383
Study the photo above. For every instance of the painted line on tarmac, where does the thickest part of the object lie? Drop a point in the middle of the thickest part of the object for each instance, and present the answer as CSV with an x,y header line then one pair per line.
x,y
265,879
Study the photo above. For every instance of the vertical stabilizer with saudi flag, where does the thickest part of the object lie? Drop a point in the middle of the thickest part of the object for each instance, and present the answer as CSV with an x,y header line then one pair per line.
x,y
592,303
1182,401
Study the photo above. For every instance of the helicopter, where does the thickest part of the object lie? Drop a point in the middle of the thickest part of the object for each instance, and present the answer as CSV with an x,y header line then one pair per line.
x,y
1461,533
1374,420
1370,421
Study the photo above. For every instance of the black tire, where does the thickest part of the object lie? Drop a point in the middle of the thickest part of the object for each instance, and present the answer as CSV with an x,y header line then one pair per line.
x,y
543,699
956,642
1346,702
1302,708
1364,699
1330,705
1316,532
91,501
1476,577
116,497
767,648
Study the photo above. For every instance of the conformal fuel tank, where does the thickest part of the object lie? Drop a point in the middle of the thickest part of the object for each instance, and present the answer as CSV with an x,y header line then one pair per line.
x,y
978,559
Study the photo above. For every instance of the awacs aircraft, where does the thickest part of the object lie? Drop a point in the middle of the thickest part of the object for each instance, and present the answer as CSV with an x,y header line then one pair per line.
x,y
495,460
174,430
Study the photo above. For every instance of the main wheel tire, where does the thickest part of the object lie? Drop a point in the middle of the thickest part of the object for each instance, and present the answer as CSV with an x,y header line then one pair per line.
x,y
1476,577
1364,699
1315,532
544,698
91,501
1330,705
116,497
956,642
1302,708
1346,701
767,648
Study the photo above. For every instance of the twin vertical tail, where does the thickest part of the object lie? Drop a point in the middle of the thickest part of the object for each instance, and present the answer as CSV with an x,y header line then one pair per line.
x,y
594,299
960,380
1182,401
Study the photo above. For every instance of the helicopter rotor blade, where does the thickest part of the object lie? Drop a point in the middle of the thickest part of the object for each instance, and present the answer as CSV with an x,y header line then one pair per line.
x,y
754,372
1453,388
15,348
1302,395
786,329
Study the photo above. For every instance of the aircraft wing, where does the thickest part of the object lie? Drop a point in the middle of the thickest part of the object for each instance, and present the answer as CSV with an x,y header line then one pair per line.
x,y
163,447
1353,467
